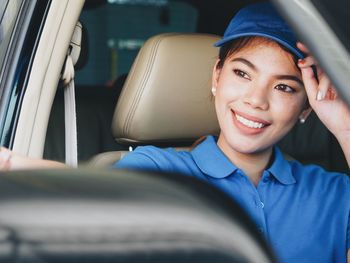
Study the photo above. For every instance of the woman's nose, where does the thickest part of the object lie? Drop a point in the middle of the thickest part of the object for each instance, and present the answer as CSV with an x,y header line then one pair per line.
x,y
257,97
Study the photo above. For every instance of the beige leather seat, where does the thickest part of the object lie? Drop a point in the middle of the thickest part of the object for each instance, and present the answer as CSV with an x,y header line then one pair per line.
x,y
166,99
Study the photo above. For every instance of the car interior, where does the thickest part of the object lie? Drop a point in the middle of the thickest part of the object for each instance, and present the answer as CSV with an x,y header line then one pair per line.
x,y
136,83
98,111
164,114
122,216
88,215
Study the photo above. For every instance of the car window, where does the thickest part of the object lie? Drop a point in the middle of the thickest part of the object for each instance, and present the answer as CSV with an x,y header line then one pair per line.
x,y
8,14
117,30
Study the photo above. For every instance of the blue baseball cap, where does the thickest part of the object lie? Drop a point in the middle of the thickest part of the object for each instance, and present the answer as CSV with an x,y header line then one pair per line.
x,y
263,20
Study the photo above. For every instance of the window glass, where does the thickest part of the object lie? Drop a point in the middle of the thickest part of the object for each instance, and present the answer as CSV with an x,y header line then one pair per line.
x,y
8,14
117,30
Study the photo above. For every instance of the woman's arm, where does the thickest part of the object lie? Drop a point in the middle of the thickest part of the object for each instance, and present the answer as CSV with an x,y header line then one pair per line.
x,y
324,100
13,161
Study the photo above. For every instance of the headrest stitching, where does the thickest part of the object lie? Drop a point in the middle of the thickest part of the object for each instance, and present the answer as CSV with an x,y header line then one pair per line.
x,y
140,90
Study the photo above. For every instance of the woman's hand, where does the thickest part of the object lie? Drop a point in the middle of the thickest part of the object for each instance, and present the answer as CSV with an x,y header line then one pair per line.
x,y
325,101
323,98
5,159
14,161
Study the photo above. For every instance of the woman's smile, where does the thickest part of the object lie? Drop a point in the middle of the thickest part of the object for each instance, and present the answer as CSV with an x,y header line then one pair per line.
x,y
248,124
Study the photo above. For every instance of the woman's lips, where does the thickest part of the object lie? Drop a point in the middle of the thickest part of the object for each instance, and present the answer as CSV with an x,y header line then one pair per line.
x,y
249,124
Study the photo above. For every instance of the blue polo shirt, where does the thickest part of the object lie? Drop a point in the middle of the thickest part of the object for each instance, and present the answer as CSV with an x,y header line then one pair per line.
x,y
303,211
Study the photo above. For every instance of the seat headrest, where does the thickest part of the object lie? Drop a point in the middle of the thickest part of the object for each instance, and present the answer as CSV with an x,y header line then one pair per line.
x,y
167,95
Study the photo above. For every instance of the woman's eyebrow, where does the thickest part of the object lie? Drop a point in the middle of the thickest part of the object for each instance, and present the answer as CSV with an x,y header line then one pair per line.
x,y
244,61
279,77
290,77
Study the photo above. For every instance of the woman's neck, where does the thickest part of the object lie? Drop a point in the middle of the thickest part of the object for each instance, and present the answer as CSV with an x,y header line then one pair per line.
x,y
252,164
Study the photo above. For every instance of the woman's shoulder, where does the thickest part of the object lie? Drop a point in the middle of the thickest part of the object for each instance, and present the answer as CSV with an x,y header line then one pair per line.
x,y
151,158
316,176
157,153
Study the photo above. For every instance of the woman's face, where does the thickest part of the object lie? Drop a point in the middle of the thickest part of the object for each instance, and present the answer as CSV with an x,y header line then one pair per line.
x,y
259,97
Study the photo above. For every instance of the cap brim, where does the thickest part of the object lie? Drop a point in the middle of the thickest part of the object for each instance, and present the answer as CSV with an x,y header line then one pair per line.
x,y
283,42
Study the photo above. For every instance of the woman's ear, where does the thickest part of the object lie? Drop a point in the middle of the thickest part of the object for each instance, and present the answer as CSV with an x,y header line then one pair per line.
x,y
304,114
216,74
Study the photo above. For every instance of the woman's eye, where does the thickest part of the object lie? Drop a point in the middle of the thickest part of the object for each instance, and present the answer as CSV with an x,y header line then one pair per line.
x,y
241,73
285,88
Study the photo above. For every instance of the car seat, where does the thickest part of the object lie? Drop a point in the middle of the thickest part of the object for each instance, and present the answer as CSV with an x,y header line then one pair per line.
x,y
166,101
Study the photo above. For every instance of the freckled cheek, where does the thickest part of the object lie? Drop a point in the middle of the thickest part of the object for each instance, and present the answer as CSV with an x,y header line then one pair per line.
x,y
286,110
229,90
225,98
227,101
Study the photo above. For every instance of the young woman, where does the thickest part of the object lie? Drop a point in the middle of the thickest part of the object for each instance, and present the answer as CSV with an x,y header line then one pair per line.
x,y
263,83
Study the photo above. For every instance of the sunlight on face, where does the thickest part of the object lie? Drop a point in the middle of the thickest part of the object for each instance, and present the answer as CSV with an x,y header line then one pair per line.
x,y
259,97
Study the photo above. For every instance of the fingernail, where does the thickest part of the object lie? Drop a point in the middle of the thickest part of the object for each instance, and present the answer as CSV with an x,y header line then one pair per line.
x,y
319,95
301,61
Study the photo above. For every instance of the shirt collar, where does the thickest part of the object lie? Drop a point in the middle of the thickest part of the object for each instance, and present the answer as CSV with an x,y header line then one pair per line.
x,y
281,169
213,162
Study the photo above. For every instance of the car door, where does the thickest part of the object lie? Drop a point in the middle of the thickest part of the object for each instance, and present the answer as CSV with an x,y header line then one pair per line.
x,y
32,53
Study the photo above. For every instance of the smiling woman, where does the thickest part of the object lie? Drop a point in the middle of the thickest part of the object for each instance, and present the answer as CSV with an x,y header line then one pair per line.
x,y
263,83
259,98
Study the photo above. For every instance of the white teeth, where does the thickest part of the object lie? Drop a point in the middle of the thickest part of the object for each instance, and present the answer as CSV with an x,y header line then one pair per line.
x,y
249,123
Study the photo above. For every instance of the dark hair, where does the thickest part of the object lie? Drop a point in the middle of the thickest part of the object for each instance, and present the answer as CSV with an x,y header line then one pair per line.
x,y
237,44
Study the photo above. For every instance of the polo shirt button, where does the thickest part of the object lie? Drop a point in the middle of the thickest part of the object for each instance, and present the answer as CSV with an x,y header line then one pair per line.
x,y
260,230
262,205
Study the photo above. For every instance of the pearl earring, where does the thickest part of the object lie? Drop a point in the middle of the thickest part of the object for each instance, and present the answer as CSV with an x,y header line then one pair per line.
x,y
213,90
302,120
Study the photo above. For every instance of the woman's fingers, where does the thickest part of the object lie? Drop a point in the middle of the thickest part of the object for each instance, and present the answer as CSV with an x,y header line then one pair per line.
x,y
323,88
5,154
318,87
5,159
302,47
307,62
310,83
